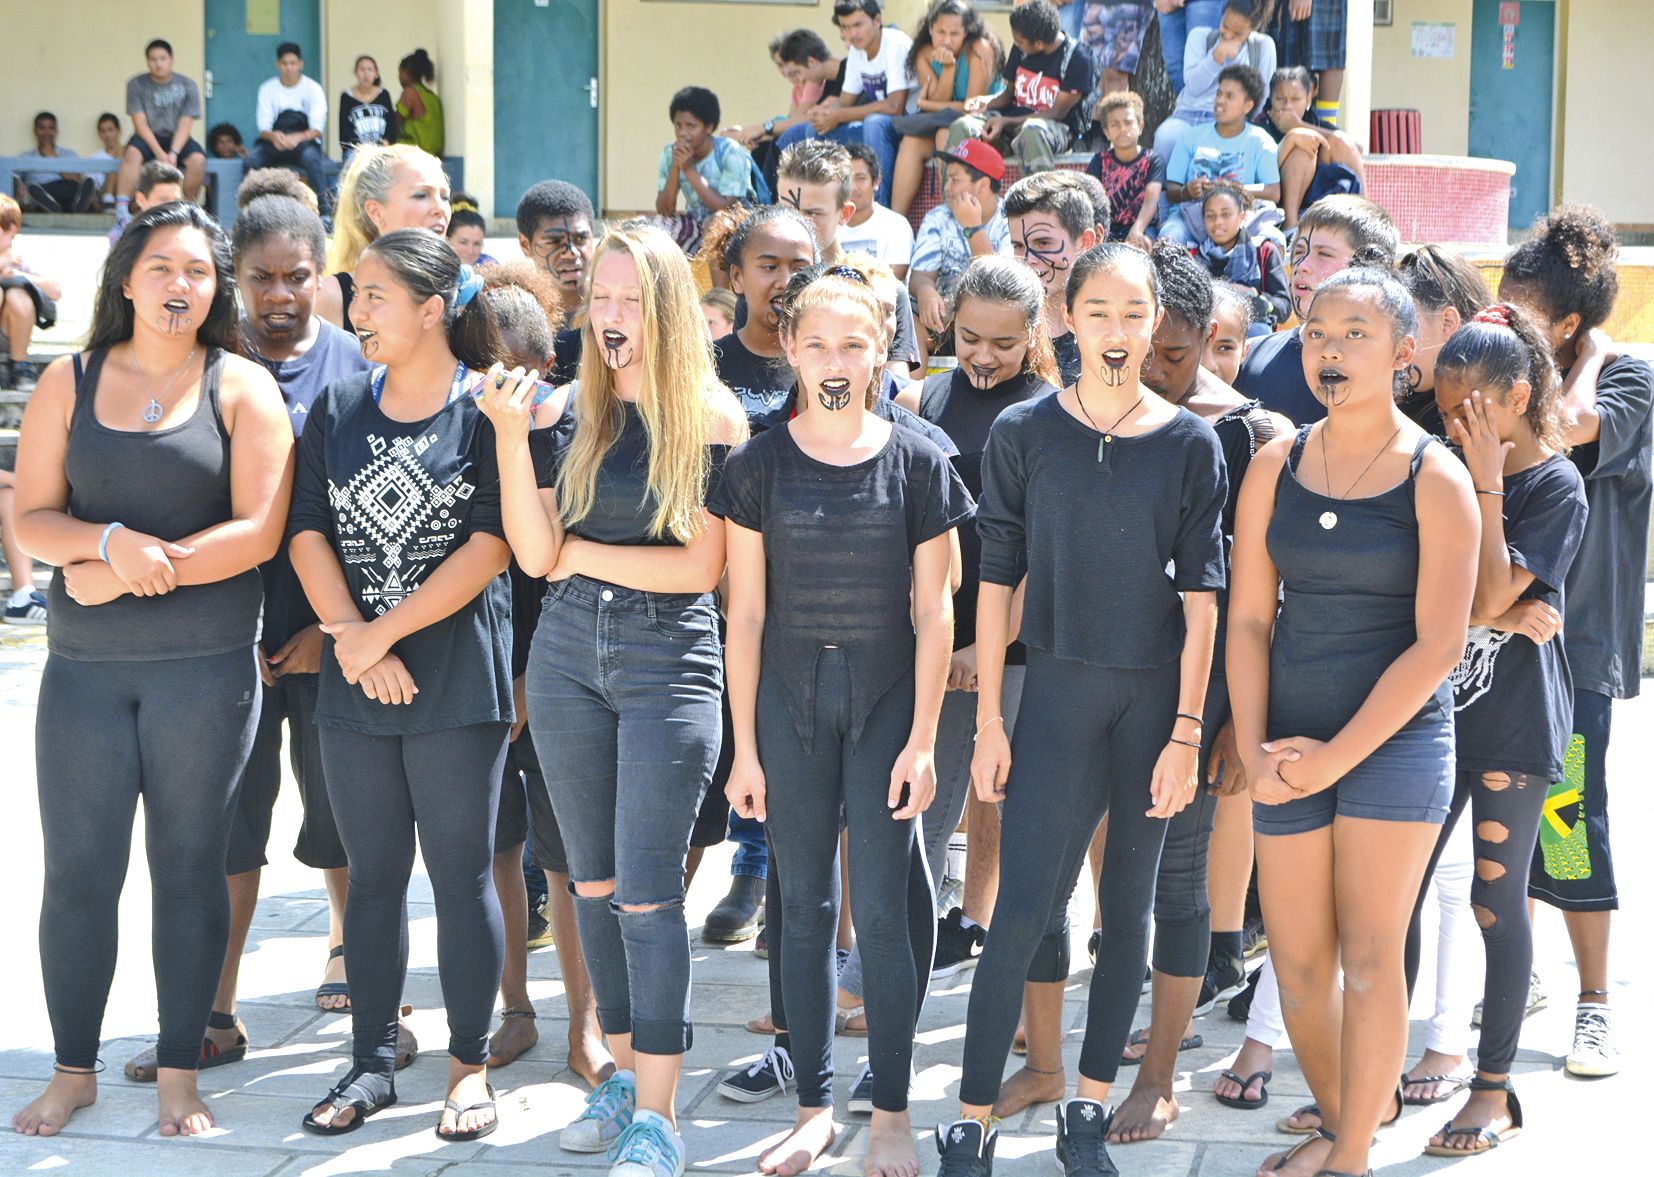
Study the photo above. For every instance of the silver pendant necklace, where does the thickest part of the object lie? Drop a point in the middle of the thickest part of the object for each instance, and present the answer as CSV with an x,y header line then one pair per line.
x,y
153,410
1329,519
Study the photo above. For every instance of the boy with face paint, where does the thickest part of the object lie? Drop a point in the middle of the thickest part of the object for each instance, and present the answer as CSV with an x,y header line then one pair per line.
x,y
1052,222
1329,236
556,230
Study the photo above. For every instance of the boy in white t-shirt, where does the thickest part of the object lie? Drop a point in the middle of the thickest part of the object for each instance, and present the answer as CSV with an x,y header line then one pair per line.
x,y
874,229
292,118
877,84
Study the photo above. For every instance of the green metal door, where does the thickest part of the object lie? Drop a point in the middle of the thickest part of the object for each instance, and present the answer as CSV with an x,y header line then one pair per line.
x,y
545,96
1512,68
238,61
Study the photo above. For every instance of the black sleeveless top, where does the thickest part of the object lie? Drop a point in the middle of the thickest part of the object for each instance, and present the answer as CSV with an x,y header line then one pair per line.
x,y
168,483
1348,595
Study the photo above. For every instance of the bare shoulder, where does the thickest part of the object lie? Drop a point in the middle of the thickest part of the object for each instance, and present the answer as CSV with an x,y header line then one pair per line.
x,y
729,422
1442,478
53,398
245,387
1272,456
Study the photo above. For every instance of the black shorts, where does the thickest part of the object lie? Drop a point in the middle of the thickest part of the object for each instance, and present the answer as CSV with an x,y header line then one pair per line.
x,y
293,699
190,147
522,793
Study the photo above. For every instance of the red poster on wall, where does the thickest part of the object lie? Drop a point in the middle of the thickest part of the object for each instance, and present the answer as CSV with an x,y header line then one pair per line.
x,y
1510,12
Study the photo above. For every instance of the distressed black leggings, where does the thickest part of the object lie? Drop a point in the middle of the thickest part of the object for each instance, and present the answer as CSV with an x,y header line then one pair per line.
x,y
1506,807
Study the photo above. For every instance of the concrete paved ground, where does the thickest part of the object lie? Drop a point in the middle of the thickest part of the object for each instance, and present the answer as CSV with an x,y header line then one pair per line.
x,y
1574,1126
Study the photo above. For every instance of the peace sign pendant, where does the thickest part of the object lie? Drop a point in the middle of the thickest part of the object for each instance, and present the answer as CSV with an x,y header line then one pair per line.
x,y
152,411
1328,520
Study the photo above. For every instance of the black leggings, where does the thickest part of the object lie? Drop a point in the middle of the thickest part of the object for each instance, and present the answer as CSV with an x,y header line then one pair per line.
x,y
447,785
1507,807
807,789
178,732
1086,743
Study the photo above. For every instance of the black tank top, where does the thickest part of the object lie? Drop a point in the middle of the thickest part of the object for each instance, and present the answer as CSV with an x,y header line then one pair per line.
x,y
168,483
347,291
1348,596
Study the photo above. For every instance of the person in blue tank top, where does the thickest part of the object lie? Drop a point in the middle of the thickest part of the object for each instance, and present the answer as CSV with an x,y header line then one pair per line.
x,y
153,473
1343,715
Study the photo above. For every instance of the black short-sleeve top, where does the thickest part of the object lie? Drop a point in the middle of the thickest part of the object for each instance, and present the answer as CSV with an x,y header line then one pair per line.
x,y
838,547
395,499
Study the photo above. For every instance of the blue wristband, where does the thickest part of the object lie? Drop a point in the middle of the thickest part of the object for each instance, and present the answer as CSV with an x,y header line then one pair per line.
x,y
103,540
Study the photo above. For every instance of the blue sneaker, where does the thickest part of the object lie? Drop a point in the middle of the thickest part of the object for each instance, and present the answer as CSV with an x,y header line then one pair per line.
x,y
609,1111
648,1148
31,612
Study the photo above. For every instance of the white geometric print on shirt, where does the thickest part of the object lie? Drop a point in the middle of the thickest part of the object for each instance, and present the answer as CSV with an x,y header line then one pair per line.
x,y
395,520
1473,676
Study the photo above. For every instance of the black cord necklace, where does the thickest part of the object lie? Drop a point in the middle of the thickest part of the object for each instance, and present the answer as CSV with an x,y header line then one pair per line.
x,y
1329,519
1107,434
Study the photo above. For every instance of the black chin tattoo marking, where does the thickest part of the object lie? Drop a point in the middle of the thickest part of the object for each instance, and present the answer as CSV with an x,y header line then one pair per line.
x,y
834,393
1113,370
983,379
617,350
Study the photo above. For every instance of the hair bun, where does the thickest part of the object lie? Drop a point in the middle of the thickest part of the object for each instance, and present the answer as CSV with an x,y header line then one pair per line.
x,y
1497,314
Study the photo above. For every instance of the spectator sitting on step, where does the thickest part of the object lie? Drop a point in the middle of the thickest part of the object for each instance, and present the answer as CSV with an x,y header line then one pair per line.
x,y
1041,109
968,223
873,229
273,182
1230,252
1113,32
1208,52
163,107
27,604
466,230
158,183
709,170
876,88
53,191
109,138
1314,159
1132,175
29,301
1229,149
292,118
224,142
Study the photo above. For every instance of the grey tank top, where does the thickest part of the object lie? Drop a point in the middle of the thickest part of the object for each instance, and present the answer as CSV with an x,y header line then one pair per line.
x,y
169,483
1348,595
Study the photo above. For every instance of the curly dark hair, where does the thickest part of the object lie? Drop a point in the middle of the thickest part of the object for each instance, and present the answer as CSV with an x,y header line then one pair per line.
x,y
1568,265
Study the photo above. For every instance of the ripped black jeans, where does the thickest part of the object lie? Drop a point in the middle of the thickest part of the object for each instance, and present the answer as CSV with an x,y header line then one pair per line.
x,y
1506,809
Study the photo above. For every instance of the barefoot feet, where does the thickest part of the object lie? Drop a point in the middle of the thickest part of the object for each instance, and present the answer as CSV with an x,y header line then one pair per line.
x,y
890,1147
182,1112
66,1093
517,1034
1144,1115
812,1135
589,1057
1028,1087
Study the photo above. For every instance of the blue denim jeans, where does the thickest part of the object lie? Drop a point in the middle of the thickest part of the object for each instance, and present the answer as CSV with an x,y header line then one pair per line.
x,y
623,697
874,130
307,158
1175,27
752,856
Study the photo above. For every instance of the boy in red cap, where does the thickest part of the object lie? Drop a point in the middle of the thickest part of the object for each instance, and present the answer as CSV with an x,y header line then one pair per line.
x,y
968,223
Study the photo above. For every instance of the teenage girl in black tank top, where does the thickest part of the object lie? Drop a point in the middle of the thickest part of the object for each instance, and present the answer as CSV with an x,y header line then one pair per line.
x,y
1342,715
153,473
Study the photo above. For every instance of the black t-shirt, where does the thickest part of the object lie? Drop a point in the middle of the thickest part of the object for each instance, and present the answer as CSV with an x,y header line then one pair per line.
x,y
1036,80
1512,700
1604,624
1420,408
362,123
565,365
624,504
1126,184
1095,524
838,546
1241,432
1067,350
966,413
395,499
763,385
333,356
1273,372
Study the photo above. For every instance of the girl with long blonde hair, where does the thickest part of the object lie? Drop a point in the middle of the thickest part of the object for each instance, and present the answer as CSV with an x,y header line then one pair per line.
x,y
383,188
626,671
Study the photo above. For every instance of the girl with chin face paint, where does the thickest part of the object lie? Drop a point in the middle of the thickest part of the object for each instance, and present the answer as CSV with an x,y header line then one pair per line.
x,y
762,253
153,473
1343,716
840,624
1089,497
626,668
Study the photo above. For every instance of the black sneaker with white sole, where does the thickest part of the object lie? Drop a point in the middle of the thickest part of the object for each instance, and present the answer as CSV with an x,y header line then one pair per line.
x,y
1082,1151
1225,977
957,947
768,1076
1240,1005
966,1148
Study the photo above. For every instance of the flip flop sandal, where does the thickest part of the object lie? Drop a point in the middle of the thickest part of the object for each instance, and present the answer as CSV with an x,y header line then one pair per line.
x,y
841,1021
1141,1038
1286,1125
1309,1139
334,988
1240,1101
1491,1138
142,1068
449,1105
1459,1082
351,1093
407,1046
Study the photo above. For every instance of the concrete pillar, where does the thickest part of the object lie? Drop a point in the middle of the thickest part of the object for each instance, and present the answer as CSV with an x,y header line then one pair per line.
x,y
1357,97
467,36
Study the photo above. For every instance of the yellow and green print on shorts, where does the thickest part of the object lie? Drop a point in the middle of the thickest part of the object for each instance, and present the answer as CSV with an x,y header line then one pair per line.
x,y
1562,835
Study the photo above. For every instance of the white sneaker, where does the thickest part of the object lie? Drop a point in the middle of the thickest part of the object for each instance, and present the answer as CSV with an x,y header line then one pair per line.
x,y
609,1112
648,1148
1594,1054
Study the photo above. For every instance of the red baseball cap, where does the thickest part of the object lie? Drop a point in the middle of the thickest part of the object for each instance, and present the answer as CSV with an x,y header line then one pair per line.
x,y
974,153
